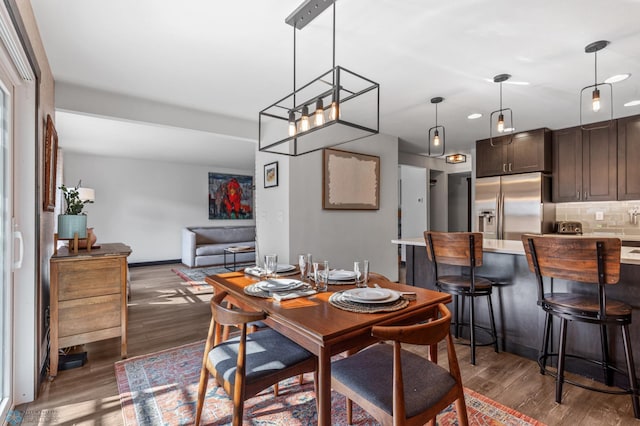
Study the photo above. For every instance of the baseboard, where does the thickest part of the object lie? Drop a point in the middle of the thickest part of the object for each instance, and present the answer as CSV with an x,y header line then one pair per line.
x,y
155,262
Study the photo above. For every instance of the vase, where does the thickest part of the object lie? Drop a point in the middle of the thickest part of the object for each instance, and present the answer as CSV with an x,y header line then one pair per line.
x,y
90,241
69,224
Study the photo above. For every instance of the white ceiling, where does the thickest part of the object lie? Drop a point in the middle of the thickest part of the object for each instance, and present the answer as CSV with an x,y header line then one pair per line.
x,y
236,57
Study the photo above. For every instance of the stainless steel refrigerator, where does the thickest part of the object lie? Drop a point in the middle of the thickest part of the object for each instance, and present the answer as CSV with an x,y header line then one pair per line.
x,y
508,206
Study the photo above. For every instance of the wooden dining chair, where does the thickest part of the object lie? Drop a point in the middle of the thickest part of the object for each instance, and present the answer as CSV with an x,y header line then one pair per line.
x,y
463,249
400,387
593,264
249,363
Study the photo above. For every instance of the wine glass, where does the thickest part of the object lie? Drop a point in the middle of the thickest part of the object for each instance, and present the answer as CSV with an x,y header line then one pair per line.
x,y
302,263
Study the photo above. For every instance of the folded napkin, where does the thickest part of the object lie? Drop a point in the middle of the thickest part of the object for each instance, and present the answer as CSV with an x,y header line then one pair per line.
x,y
259,272
409,295
293,294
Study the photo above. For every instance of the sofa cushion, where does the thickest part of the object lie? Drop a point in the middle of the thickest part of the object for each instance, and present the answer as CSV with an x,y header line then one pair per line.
x,y
218,235
209,249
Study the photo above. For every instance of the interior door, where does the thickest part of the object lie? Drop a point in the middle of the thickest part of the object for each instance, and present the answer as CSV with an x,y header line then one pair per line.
x,y
413,203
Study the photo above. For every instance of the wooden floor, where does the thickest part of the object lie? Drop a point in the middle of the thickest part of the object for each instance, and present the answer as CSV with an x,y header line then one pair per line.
x,y
163,313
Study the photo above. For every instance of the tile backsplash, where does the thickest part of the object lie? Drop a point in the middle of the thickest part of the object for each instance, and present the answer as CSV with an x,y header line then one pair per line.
x,y
615,216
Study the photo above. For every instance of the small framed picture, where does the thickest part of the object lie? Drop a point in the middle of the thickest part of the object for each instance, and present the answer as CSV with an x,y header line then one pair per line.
x,y
271,175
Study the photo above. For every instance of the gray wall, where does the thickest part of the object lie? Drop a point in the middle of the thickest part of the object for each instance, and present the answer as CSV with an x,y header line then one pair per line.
x,y
291,220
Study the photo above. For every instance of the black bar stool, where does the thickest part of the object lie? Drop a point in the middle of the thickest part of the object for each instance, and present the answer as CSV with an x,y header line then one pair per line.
x,y
588,261
462,249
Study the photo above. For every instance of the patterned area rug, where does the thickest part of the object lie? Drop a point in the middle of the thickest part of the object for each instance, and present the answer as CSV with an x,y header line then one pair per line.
x,y
194,277
162,389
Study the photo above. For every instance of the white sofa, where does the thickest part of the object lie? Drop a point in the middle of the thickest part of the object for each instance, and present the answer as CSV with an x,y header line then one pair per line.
x,y
204,245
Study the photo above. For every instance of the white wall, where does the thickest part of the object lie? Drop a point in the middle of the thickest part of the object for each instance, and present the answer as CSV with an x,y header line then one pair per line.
x,y
145,204
338,236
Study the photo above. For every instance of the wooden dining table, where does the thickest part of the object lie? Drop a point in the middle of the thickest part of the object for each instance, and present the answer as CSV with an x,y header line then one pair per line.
x,y
323,329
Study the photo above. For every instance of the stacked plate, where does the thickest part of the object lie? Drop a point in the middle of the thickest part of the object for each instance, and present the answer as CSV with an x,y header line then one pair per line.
x,y
370,295
279,284
340,276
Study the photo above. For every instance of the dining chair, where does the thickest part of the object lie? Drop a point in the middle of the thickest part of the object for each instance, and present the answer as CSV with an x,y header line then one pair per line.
x,y
397,386
247,364
463,249
590,265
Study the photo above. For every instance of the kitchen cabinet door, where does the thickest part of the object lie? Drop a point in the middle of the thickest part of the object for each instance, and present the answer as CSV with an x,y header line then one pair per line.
x,y
599,162
567,165
530,152
629,158
490,160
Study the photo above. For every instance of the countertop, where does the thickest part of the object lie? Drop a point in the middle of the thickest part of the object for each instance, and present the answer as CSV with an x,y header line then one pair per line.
x,y
628,255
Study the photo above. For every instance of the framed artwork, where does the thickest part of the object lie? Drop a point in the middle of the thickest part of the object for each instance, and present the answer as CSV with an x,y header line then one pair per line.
x,y
350,181
50,165
230,196
271,175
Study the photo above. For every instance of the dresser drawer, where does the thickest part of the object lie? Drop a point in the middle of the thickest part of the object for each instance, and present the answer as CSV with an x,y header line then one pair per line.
x,y
89,314
89,278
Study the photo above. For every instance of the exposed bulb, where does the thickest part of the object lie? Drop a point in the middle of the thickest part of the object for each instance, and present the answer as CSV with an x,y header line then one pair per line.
x,y
436,139
334,111
292,124
501,123
319,115
304,121
596,100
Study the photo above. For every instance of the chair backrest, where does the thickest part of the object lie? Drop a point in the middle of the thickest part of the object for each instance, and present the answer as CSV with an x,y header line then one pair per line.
x,y
428,333
587,260
378,278
454,248
225,316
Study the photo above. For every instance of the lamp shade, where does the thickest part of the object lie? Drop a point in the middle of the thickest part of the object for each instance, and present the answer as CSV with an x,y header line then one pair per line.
x,y
87,194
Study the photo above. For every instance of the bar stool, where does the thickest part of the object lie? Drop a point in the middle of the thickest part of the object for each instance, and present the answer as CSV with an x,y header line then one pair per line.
x,y
587,261
462,249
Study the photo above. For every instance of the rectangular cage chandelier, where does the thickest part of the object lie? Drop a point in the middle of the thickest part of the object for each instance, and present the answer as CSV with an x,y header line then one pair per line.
x,y
336,107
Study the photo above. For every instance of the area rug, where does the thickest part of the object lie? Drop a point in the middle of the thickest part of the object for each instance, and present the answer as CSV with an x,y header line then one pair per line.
x,y
162,389
194,277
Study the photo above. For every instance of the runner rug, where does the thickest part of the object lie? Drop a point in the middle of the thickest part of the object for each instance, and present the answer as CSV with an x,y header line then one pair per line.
x,y
162,389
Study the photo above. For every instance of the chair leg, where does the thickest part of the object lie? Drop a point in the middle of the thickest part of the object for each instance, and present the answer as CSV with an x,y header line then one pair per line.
x,y
604,340
493,323
544,348
631,371
202,388
461,410
561,350
456,317
276,389
349,411
472,329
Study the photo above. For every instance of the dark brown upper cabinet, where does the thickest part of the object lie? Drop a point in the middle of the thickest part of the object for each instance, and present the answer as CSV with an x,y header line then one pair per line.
x,y
524,152
584,163
629,158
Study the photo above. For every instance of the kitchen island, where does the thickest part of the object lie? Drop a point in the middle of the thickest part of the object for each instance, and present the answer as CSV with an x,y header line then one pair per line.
x,y
519,319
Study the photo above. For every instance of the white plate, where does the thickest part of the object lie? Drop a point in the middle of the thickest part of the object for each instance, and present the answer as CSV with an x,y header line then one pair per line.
x,y
278,284
285,268
371,295
339,275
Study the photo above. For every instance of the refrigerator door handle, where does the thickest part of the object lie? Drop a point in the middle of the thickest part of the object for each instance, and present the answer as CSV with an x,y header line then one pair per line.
x,y
498,217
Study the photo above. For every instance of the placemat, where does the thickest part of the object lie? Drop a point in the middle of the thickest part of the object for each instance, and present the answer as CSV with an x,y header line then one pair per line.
x,y
339,301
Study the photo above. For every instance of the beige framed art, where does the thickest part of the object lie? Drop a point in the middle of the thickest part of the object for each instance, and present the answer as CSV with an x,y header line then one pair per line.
x,y
350,181
50,162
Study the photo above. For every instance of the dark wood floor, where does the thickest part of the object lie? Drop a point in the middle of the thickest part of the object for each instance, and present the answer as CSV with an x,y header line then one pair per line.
x,y
163,313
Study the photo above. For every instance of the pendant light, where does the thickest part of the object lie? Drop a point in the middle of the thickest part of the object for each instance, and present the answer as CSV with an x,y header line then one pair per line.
x,y
593,105
298,123
435,139
500,127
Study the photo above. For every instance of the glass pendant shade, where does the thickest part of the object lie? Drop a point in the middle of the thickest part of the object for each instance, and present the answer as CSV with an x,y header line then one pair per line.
x,y
319,114
304,121
436,138
292,124
595,100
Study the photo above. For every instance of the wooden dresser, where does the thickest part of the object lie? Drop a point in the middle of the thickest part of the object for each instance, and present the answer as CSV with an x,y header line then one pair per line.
x,y
88,298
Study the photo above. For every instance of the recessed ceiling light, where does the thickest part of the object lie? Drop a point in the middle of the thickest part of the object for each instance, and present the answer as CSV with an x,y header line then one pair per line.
x,y
617,78
517,83
633,103
474,116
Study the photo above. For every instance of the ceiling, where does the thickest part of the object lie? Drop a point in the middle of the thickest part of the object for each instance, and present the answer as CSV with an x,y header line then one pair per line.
x,y
236,57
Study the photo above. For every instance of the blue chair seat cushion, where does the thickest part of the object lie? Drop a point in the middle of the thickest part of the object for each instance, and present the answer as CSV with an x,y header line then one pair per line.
x,y
267,352
369,373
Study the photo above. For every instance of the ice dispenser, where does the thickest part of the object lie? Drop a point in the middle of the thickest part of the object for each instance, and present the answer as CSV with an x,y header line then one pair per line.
x,y
487,223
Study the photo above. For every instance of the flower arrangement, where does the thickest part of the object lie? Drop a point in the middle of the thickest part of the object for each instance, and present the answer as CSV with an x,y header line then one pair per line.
x,y
74,204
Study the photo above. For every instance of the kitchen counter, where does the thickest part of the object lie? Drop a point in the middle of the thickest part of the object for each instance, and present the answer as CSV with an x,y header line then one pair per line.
x,y
628,255
519,320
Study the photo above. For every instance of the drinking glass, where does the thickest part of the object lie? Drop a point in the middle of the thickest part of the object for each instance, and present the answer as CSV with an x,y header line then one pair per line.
x,y
309,263
321,275
271,265
359,271
302,263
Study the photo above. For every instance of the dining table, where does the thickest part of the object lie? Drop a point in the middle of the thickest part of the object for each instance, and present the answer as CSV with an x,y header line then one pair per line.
x,y
324,329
